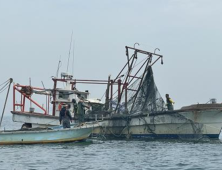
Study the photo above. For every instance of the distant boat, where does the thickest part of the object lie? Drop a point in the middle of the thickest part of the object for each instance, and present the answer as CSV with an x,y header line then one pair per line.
x,y
49,135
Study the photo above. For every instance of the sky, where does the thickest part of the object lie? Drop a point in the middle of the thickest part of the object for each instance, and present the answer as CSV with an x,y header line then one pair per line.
x,y
35,35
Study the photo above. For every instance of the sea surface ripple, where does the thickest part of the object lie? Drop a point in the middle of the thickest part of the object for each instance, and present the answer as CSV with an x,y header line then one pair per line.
x,y
96,154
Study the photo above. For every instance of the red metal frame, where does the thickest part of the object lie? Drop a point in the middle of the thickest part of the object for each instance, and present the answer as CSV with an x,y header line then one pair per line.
x,y
24,96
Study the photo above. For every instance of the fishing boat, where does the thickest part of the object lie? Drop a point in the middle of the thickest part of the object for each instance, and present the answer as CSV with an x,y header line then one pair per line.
x,y
196,123
133,106
29,135
46,135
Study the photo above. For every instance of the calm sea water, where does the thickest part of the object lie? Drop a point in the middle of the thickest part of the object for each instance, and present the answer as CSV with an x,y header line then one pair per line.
x,y
95,154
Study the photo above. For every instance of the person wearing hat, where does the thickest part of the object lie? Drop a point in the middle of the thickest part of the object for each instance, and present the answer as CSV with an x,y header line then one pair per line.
x,y
65,117
169,102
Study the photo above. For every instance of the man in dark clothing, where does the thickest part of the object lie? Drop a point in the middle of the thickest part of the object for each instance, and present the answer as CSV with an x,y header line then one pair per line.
x,y
169,102
65,117
75,107
81,110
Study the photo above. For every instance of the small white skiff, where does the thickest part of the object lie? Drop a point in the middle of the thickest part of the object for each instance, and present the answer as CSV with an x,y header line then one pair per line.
x,y
50,135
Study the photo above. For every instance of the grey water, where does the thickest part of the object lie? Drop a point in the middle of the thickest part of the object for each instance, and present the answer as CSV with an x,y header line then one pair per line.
x,y
97,154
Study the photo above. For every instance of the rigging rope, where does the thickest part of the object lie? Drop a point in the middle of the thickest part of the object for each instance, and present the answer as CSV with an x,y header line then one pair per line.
x,y
4,87
5,82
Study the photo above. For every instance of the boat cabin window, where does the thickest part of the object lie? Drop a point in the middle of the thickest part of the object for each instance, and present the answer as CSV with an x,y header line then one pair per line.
x,y
97,107
63,95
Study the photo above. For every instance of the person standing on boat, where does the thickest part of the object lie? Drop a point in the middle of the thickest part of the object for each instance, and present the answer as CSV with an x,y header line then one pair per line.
x,y
169,102
81,110
65,117
75,107
69,109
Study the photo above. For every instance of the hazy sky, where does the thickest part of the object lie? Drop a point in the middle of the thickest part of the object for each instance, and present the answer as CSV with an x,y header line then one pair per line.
x,y
35,33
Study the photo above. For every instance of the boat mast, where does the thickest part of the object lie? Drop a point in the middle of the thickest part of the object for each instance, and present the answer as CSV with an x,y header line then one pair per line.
x,y
10,82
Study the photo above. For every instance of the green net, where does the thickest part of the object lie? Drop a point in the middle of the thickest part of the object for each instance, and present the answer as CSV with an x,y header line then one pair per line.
x,y
142,96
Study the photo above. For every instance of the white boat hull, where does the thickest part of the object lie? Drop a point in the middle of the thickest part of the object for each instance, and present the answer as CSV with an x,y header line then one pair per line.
x,y
45,136
175,124
186,124
37,120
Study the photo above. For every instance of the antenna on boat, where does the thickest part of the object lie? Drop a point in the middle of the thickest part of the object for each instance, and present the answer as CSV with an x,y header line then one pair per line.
x,y
30,84
73,51
59,65
69,52
43,84
47,101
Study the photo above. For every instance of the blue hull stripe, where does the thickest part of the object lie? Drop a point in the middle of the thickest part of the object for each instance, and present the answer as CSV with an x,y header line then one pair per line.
x,y
165,136
174,136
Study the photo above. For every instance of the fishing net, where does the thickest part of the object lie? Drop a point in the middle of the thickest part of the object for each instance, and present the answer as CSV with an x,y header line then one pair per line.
x,y
142,96
188,124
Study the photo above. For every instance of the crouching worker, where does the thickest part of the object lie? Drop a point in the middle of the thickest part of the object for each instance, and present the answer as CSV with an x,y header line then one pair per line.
x,y
169,102
65,117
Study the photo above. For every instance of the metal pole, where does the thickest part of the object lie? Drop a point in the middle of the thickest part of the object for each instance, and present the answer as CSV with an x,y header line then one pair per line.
x,y
123,68
119,90
143,52
11,80
14,98
125,86
30,106
54,97
48,104
107,94
111,96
